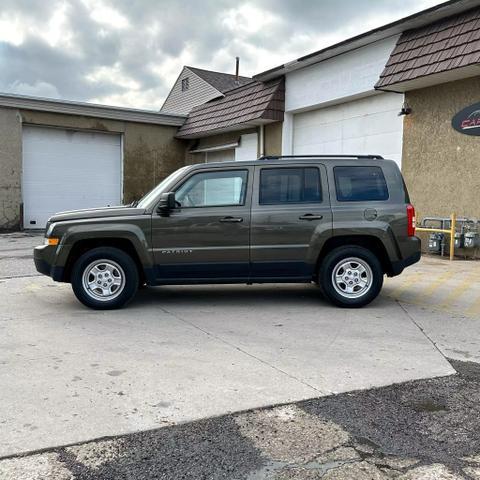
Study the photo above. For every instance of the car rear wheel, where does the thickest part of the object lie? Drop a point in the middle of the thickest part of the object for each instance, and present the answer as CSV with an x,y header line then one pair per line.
x,y
350,276
105,278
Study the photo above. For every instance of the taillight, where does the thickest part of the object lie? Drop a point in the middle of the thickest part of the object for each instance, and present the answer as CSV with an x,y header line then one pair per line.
x,y
410,220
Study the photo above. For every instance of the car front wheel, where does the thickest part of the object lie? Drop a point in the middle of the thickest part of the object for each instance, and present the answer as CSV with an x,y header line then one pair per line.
x,y
105,278
350,276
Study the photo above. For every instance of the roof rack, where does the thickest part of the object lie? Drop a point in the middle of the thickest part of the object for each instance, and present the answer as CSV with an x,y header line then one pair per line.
x,y
276,157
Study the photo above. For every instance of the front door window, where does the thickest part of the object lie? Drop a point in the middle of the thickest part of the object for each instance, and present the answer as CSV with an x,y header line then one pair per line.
x,y
213,189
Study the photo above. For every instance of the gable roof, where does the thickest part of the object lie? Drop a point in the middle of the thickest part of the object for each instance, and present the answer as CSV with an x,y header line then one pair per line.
x,y
256,101
445,45
223,82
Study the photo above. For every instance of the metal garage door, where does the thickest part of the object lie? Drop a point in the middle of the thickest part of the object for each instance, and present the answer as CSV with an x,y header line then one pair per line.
x,y
68,170
368,125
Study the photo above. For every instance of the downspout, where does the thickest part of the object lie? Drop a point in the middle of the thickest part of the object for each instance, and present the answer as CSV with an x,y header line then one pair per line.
x,y
386,90
261,141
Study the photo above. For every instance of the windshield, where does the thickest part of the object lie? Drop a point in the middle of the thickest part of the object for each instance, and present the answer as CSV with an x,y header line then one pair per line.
x,y
146,200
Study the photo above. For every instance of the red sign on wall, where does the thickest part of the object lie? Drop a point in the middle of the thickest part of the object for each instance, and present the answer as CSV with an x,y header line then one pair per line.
x,y
467,121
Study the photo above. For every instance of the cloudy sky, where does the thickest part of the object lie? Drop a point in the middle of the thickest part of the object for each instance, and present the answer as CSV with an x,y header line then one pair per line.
x,y
129,52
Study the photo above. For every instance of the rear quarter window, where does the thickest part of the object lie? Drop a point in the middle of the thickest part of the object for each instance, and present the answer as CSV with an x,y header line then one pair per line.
x,y
360,184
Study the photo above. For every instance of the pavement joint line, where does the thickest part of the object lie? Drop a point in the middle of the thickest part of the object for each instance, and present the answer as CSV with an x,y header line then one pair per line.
x,y
31,275
17,257
16,249
407,313
226,342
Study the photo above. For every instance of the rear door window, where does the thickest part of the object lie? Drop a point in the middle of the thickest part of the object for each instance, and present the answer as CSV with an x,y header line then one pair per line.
x,y
360,184
290,185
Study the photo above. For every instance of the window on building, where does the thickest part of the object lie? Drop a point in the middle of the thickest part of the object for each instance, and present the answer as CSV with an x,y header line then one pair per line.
x,y
290,185
359,184
214,189
185,84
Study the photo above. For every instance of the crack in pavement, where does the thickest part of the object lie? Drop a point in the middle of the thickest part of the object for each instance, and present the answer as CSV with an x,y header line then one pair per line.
x,y
241,350
420,328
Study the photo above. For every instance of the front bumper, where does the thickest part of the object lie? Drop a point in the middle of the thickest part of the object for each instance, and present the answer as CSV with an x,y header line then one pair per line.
x,y
43,257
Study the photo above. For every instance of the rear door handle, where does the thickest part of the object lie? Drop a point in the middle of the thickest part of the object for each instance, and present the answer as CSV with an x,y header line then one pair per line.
x,y
310,216
231,219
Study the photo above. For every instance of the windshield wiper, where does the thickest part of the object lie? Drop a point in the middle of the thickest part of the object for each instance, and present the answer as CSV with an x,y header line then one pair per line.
x,y
134,203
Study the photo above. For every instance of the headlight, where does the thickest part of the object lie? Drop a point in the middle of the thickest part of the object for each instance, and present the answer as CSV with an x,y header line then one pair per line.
x,y
50,230
49,238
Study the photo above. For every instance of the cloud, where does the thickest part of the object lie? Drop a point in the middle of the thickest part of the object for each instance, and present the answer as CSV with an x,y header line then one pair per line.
x,y
39,89
129,53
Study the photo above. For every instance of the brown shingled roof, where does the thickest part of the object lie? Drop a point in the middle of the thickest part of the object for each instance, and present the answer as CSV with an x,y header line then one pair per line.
x,y
254,101
439,47
223,82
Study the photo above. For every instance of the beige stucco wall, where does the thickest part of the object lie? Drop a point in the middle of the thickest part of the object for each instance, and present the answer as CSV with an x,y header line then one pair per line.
x,y
150,154
10,168
273,138
442,166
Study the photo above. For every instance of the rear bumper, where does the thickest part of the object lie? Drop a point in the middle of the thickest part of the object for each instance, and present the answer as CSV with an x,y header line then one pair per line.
x,y
43,259
400,265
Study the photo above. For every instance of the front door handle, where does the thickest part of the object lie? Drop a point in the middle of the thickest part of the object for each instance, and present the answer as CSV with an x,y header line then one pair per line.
x,y
231,219
310,216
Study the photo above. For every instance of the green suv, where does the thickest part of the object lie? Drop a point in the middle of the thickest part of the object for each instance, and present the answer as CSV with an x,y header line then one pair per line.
x,y
342,222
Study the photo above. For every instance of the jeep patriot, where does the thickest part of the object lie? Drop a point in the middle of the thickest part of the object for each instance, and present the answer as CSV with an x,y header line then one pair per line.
x,y
342,222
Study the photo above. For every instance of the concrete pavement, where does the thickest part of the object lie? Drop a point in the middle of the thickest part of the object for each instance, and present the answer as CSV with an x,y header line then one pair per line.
x,y
420,430
443,298
182,353
441,285
16,254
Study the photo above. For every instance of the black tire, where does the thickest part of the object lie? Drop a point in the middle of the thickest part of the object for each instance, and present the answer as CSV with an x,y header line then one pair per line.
x,y
123,270
333,291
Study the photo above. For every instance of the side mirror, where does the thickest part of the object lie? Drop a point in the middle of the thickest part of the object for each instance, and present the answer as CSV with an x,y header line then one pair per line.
x,y
166,204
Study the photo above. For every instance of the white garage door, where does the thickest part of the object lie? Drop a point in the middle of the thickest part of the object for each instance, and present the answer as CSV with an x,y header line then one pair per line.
x,y
367,126
68,170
